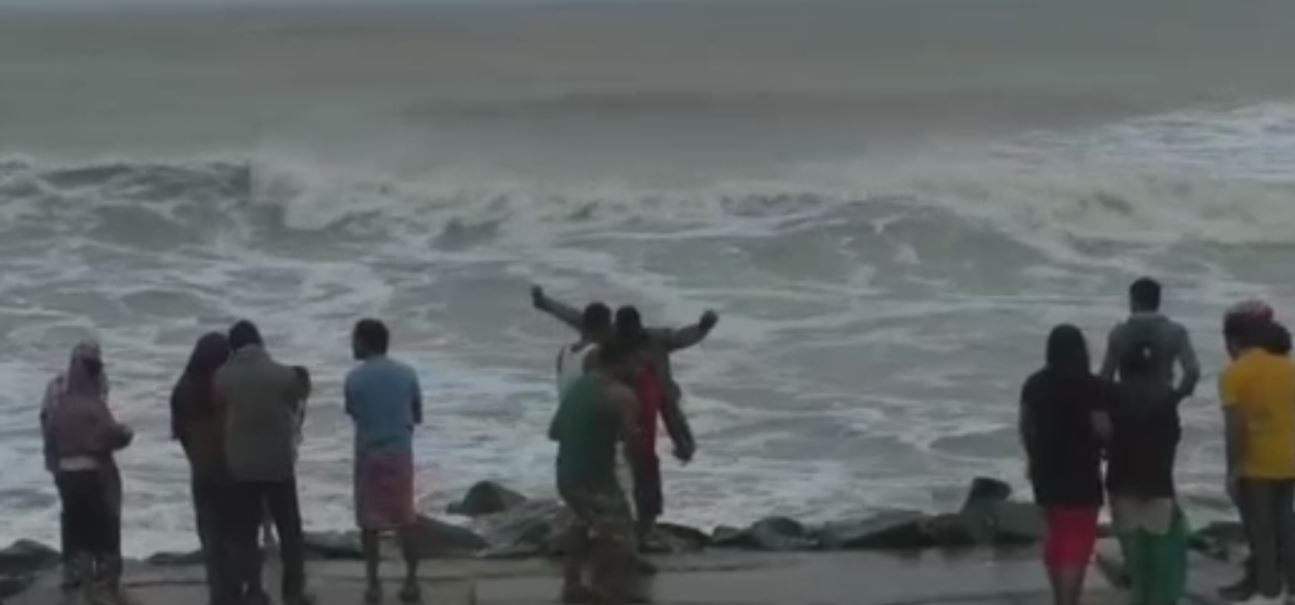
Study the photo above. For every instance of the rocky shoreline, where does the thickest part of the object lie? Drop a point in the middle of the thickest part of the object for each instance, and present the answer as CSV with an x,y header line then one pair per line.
x,y
503,524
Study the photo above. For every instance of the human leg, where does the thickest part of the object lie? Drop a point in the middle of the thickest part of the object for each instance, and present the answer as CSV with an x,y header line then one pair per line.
x,y
1284,499
412,591
1261,528
286,509
372,554
1068,549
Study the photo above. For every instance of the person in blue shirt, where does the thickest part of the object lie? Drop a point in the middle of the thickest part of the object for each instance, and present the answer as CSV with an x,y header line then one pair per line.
x,y
384,400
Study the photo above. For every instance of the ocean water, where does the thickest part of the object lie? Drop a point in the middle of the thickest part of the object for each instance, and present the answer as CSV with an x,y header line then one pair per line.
x,y
890,203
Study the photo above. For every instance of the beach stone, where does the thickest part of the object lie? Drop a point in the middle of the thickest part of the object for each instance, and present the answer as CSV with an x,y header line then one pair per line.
x,y
12,585
333,545
1017,523
175,559
669,538
437,538
534,522
978,509
899,529
985,492
772,534
950,531
486,498
26,556
1219,540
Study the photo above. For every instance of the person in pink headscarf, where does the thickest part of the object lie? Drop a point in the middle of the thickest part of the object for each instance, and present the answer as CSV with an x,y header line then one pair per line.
x,y
81,436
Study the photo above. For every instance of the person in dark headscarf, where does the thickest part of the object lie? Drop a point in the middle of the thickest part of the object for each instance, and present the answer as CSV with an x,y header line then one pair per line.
x,y
197,424
82,435
1063,424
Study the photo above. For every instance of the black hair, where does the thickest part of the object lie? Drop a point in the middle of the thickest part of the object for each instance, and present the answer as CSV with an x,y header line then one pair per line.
x,y
629,325
1068,350
209,353
597,316
244,334
373,334
1279,339
1247,331
1145,294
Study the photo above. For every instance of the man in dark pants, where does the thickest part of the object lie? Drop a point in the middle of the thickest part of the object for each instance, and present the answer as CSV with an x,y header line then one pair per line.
x,y
259,400
1142,357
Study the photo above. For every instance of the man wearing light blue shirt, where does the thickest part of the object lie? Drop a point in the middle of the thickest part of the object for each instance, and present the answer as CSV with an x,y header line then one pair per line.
x,y
384,399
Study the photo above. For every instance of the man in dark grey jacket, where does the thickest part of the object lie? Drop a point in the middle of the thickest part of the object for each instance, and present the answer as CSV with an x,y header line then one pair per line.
x,y
259,399
1143,356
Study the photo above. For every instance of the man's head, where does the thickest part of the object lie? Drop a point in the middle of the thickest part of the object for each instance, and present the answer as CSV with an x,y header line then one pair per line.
x,y
1144,295
245,334
629,326
370,338
596,323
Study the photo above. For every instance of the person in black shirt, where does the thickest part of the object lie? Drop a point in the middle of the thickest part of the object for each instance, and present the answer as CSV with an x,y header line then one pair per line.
x,y
1063,426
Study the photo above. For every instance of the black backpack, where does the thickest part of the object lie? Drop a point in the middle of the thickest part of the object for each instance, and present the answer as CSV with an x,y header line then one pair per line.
x,y
1141,363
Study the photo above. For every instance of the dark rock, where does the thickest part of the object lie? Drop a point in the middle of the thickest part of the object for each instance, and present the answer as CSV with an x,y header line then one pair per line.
x,y
25,556
985,492
724,534
772,533
12,585
950,531
486,498
175,559
978,510
1219,540
534,522
887,530
516,551
1017,523
668,538
333,545
438,538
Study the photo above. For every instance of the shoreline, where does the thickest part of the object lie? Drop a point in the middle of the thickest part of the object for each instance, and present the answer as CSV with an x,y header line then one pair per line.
x,y
508,531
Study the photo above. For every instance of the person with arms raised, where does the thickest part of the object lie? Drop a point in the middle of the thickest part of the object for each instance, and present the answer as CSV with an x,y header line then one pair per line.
x,y
653,347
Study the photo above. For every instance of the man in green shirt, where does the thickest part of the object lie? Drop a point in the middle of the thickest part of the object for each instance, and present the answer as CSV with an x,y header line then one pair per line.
x,y
597,413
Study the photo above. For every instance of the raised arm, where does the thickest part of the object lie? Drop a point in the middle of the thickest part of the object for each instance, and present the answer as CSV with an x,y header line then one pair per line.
x,y
689,336
561,311
1191,366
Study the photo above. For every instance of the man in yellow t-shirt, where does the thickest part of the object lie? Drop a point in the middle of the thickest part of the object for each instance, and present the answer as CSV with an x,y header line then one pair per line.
x,y
1258,395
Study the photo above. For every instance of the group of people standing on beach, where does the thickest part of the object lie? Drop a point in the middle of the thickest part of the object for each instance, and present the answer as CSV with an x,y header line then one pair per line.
x,y
238,415
1127,416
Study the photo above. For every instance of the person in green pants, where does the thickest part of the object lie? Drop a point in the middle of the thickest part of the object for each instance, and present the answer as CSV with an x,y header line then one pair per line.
x,y
1142,357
